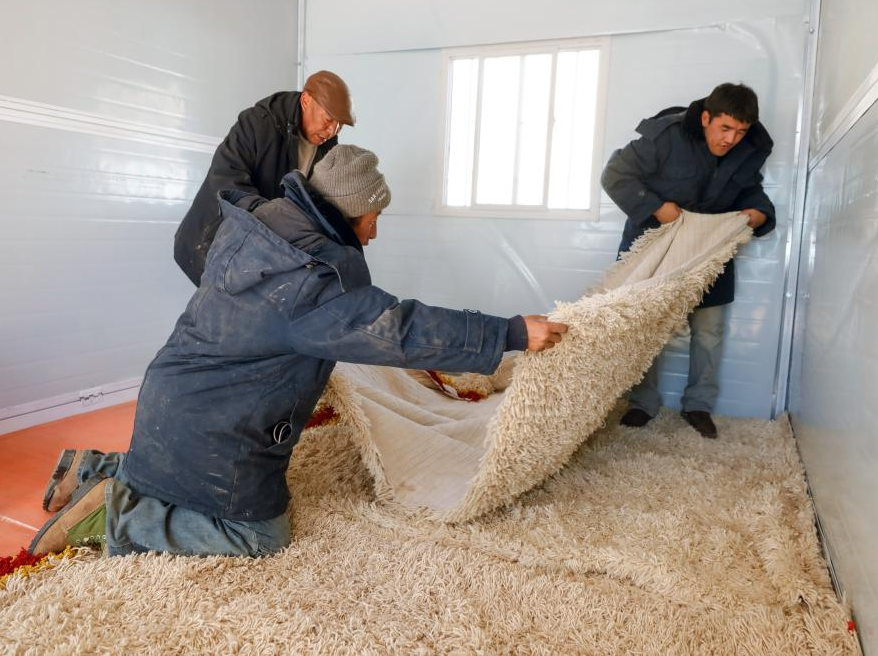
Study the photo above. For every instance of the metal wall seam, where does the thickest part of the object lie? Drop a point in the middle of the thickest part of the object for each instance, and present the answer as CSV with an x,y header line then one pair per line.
x,y
28,112
796,229
300,28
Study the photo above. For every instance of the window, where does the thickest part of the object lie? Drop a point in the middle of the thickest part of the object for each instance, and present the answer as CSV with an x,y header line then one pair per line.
x,y
522,129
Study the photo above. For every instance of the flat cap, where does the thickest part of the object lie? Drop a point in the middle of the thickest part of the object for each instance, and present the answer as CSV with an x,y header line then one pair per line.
x,y
330,91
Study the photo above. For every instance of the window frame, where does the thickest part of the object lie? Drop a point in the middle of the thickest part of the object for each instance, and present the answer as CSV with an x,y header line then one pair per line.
x,y
513,211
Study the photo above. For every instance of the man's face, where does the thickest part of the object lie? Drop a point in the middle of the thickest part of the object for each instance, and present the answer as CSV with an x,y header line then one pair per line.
x,y
317,124
367,227
722,132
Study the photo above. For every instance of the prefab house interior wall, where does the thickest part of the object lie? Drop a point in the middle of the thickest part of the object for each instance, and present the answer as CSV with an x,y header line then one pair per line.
x,y
109,114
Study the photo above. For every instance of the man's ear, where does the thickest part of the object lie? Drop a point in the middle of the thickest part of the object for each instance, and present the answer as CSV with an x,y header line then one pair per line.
x,y
305,99
705,118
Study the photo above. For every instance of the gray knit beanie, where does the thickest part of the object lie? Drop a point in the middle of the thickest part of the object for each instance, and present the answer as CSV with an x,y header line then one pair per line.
x,y
348,178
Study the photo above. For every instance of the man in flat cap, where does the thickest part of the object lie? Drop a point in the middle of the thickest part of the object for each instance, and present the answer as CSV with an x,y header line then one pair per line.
x,y
286,131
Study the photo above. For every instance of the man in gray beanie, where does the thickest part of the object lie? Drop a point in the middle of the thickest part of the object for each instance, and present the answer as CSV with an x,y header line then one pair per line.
x,y
348,177
286,293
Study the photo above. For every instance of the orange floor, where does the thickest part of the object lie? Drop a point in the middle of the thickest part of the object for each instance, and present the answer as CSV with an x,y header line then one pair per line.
x,y
27,458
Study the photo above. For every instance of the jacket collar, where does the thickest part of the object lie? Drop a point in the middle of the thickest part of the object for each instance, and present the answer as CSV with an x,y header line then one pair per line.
x,y
285,112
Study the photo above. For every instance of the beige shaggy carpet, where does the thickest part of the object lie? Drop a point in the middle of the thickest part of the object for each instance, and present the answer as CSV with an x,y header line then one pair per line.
x,y
648,542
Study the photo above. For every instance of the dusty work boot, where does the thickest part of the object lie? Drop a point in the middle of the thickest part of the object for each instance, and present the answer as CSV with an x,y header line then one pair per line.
x,y
700,421
63,482
635,418
88,498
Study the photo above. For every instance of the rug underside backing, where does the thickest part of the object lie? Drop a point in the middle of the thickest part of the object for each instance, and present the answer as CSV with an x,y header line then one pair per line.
x,y
460,459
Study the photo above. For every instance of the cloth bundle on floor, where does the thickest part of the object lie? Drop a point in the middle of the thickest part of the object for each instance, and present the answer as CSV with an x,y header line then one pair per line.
x,y
460,460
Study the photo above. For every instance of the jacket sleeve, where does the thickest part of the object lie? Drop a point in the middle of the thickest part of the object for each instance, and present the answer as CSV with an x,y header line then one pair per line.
x,y
235,158
754,197
369,326
623,177
229,169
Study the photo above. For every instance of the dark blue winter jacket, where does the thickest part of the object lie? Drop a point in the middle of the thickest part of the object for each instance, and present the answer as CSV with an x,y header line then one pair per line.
x,y
285,294
671,163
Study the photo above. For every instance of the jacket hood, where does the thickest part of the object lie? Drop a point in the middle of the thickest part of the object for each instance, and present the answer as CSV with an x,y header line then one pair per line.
x,y
325,215
690,118
288,233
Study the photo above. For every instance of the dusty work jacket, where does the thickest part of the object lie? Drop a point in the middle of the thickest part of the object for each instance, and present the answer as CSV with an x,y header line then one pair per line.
x,y
671,162
285,294
260,149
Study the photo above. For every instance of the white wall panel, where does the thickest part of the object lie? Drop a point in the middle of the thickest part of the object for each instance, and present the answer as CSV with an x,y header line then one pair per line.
x,y
109,113
847,64
187,65
508,266
835,358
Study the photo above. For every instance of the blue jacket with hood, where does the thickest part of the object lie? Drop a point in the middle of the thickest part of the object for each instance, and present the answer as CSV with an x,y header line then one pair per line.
x,y
285,294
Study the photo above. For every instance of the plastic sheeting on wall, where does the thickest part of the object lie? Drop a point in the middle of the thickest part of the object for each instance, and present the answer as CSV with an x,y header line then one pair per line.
x,y
508,266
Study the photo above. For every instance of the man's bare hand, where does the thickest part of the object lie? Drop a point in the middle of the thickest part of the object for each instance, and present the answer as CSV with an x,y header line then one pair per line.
x,y
757,218
668,212
542,333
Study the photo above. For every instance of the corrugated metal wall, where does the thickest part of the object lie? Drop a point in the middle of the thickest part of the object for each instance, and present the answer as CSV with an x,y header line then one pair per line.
x,y
507,266
833,387
109,115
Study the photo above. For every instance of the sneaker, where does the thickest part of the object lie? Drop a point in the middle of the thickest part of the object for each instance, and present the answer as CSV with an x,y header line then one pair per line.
x,y
88,497
64,480
700,421
635,418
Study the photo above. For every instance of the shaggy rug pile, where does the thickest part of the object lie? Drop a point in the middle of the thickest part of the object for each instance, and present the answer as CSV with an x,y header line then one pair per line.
x,y
428,525
648,542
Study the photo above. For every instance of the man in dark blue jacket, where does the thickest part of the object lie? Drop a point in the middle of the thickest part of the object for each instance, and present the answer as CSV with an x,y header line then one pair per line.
x,y
704,158
285,294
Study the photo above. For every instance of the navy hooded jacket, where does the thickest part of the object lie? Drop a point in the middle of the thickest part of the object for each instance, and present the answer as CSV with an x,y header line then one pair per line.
x,y
285,294
671,163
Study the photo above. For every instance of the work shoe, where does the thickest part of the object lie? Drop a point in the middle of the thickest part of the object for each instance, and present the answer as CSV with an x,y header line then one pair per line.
x,y
88,498
63,482
635,418
700,421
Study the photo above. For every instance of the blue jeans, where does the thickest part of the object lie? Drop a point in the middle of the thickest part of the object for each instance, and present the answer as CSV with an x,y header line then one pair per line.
x,y
705,349
137,523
